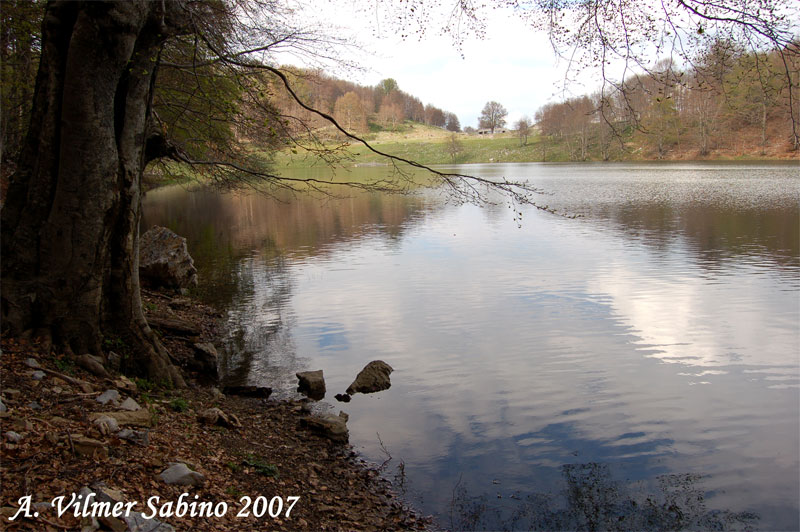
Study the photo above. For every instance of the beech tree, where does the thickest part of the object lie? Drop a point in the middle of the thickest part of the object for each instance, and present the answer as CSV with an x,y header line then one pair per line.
x,y
70,221
492,116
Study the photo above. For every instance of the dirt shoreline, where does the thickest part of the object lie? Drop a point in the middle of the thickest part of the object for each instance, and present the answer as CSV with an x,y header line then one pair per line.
x,y
269,455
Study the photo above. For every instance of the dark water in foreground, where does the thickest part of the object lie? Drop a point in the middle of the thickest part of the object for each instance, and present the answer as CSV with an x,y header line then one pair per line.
x,y
635,368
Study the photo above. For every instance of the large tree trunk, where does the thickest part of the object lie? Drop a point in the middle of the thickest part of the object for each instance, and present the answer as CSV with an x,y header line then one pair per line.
x,y
70,222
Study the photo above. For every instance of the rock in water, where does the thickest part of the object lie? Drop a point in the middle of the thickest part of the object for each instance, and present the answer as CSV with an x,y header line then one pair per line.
x,y
164,259
373,378
311,384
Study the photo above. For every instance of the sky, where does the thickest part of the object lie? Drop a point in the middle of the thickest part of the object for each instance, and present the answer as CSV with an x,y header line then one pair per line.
x,y
512,64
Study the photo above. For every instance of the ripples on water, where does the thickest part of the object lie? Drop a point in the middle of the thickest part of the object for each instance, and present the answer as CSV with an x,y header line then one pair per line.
x,y
644,357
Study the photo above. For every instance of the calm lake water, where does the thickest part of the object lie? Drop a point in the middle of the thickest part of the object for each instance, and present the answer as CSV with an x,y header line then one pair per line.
x,y
637,367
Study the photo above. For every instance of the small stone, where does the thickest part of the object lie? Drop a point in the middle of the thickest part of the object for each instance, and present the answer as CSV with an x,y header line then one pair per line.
x,y
12,437
108,396
57,390
136,522
106,424
139,437
311,384
89,447
342,397
130,405
215,416
181,475
139,418
33,405
125,384
32,363
86,387
3,408
216,395
38,375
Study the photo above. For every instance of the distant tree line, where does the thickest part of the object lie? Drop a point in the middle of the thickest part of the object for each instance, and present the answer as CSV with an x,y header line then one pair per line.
x,y
729,98
355,106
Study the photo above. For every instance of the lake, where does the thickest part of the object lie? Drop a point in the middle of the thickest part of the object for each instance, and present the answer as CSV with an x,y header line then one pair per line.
x,y
636,367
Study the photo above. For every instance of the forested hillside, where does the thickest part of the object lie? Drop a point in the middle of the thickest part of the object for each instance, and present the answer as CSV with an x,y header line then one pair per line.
x,y
728,102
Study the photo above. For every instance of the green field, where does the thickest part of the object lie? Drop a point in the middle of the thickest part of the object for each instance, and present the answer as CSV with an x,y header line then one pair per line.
x,y
430,145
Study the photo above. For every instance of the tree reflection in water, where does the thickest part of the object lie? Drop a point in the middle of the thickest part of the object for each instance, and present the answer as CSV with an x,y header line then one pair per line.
x,y
592,500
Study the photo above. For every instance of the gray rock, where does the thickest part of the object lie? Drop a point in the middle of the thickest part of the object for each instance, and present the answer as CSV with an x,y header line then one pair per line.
x,y
38,375
106,424
329,426
139,437
3,408
137,523
130,405
311,384
373,378
33,405
32,363
181,475
108,396
13,437
139,418
164,259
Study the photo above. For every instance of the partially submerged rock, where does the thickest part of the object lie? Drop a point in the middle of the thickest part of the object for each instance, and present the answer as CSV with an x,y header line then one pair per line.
x,y
311,384
205,359
373,378
342,397
329,426
164,259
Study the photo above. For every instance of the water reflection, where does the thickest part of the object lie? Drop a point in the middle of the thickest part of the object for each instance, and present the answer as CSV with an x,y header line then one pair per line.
x,y
658,335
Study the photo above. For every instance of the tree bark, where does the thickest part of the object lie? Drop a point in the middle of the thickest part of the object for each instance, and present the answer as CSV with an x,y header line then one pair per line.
x,y
70,223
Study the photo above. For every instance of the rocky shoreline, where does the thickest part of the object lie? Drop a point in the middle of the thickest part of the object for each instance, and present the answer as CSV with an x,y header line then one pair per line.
x,y
67,429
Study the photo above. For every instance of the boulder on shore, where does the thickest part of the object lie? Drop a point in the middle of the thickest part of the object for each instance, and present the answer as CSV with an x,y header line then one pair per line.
x,y
373,378
311,384
164,259
329,426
